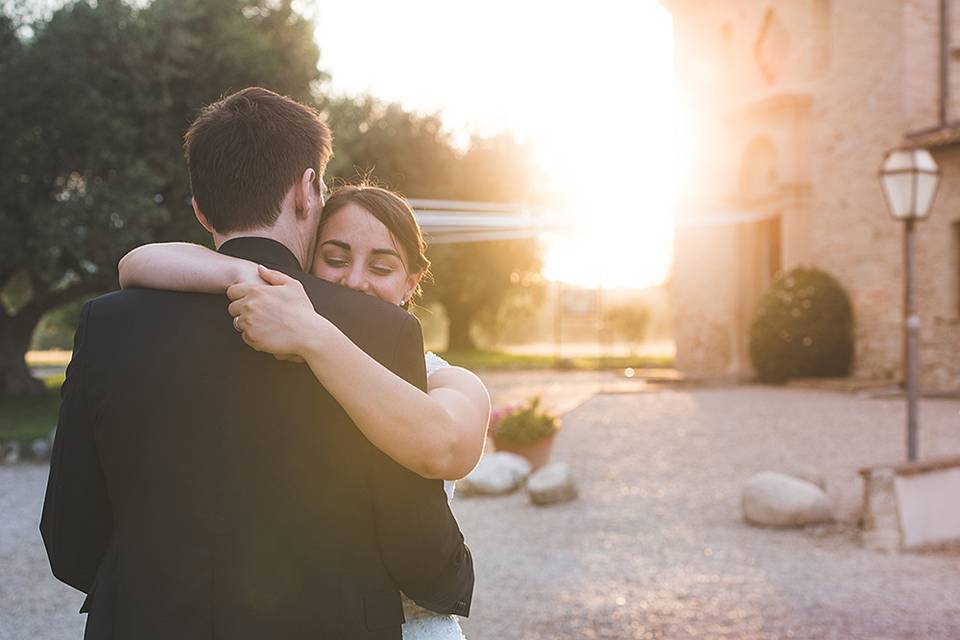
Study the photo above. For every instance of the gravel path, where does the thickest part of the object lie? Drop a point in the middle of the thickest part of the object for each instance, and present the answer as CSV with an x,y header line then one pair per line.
x,y
33,605
654,547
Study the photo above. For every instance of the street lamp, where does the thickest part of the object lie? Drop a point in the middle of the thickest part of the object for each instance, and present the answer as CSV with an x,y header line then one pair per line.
x,y
909,178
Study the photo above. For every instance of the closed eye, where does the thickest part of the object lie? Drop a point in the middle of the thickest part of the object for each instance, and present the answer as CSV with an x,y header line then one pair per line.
x,y
336,262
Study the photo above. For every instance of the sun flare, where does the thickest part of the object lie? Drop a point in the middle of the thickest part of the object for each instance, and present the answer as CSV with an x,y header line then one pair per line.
x,y
591,89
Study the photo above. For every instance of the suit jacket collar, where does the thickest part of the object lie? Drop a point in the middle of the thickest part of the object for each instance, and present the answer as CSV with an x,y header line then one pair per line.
x,y
265,251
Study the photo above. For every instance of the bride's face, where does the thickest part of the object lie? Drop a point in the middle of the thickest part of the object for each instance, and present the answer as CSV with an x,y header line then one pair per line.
x,y
356,250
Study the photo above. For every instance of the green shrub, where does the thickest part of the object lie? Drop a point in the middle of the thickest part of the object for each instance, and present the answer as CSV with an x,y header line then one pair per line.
x,y
803,328
524,423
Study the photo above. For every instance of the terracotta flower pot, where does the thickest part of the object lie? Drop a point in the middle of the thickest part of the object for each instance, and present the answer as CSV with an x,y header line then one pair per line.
x,y
536,452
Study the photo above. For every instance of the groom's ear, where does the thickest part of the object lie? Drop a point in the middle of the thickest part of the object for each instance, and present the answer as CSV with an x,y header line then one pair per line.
x,y
306,194
202,219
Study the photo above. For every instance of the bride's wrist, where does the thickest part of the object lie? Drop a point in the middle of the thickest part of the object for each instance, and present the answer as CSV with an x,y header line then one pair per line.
x,y
315,336
243,271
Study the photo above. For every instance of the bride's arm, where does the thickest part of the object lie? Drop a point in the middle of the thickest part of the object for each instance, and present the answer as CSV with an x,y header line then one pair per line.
x,y
439,434
180,266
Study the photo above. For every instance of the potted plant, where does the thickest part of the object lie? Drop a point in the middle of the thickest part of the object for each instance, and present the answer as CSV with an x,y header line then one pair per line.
x,y
526,430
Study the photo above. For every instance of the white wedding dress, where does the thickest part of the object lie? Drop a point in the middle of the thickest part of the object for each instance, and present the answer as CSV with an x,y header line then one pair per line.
x,y
422,624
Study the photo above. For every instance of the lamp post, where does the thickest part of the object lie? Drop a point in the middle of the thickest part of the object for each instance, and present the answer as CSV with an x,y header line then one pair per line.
x,y
909,178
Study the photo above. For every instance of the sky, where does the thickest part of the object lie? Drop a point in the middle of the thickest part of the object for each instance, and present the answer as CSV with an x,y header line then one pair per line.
x,y
589,84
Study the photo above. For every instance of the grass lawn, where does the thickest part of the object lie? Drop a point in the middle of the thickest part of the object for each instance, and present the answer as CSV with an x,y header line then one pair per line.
x,y
501,360
31,417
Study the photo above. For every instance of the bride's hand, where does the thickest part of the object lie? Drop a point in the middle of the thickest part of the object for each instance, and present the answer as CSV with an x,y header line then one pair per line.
x,y
275,316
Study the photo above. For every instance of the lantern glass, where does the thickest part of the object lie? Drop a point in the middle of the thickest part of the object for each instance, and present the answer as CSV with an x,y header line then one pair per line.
x,y
923,161
909,178
926,189
896,187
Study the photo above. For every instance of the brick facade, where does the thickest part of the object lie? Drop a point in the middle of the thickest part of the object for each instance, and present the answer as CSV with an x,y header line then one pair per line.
x,y
795,103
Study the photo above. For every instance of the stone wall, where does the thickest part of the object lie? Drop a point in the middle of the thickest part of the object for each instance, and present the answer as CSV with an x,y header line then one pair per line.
x,y
703,302
859,114
938,279
832,86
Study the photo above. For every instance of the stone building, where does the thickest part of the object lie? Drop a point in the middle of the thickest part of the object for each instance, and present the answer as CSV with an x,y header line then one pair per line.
x,y
795,103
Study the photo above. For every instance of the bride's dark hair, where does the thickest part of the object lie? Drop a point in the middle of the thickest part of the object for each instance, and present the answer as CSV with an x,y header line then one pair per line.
x,y
395,214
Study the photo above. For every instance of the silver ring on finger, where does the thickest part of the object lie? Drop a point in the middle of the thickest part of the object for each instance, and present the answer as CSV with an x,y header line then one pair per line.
x,y
236,324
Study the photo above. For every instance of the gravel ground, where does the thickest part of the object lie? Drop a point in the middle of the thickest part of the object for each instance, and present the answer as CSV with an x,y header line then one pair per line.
x,y
654,547
33,605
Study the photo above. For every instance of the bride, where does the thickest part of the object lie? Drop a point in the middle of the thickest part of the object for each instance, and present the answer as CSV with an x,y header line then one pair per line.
x,y
369,241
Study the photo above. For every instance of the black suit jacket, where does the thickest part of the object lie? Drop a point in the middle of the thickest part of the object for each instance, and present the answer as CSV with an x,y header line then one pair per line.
x,y
200,489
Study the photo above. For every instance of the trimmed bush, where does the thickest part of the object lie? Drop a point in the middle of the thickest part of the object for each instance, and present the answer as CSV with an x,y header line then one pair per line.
x,y
803,328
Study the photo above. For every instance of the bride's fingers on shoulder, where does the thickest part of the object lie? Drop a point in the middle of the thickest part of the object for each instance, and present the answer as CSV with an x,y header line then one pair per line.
x,y
271,276
237,307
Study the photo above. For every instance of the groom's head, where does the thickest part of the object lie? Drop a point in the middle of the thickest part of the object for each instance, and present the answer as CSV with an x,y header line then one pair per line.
x,y
256,161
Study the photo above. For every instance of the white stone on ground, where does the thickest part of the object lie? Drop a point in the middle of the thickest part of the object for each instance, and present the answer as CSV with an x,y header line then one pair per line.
x,y
809,474
779,500
497,473
551,484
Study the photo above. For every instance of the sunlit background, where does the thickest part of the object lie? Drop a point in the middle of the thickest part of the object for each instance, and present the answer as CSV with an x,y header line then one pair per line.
x,y
591,88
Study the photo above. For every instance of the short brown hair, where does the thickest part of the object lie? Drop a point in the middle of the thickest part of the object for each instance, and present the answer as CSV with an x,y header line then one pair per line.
x,y
395,214
245,151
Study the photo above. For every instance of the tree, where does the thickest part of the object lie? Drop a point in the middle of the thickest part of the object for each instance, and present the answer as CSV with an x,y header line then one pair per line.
x,y
56,328
91,164
477,282
628,321
400,150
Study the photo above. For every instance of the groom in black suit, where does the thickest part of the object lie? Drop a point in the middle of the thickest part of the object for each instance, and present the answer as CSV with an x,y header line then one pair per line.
x,y
202,490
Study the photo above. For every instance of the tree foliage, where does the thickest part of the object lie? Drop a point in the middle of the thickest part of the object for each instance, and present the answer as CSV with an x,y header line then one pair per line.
x,y
478,284
399,149
481,282
628,322
92,164
484,282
